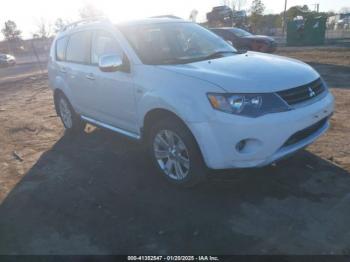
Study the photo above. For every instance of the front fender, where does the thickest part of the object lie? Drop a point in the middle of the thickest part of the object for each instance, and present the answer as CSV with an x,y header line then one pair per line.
x,y
184,106
183,95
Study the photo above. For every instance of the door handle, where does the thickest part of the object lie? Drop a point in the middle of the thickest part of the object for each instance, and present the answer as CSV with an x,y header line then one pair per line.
x,y
63,70
90,76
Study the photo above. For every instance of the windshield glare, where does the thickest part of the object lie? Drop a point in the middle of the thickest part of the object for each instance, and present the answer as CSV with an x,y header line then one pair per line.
x,y
174,43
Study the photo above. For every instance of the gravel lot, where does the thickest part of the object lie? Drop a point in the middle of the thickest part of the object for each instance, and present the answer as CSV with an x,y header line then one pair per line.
x,y
97,194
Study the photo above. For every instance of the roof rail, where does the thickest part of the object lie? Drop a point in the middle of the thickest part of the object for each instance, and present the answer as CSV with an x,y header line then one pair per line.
x,y
166,16
85,21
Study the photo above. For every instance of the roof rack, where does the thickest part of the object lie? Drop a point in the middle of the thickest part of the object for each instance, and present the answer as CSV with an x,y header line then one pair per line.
x,y
85,21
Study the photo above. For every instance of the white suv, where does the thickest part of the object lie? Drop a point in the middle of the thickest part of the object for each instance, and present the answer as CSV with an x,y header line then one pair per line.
x,y
191,97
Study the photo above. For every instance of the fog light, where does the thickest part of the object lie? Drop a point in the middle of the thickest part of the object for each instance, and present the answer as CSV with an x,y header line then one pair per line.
x,y
240,145
248,146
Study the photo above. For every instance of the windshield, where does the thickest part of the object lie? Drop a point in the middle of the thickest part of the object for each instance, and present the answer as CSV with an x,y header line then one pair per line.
x,y
240,32
175,43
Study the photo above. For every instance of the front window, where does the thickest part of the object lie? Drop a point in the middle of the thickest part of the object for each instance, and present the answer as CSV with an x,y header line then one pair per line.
x,y
103,44
78,49
175,43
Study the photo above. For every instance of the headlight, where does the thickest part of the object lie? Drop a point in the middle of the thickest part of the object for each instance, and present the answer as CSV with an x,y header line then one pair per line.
x,y
251,105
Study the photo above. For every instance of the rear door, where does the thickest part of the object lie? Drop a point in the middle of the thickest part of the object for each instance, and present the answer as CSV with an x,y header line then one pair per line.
x,y
57,64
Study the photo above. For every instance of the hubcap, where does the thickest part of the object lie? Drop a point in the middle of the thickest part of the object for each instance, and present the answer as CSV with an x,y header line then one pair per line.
x,y
66,114
171,154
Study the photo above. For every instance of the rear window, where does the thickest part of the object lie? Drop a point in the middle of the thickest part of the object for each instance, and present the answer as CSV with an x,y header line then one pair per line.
x,y
61,45
78,49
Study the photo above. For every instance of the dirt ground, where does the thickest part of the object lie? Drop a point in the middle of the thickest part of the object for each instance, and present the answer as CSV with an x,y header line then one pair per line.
x,y
97,193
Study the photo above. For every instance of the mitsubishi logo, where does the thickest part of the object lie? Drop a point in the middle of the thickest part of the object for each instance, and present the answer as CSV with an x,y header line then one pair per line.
x,y
311,92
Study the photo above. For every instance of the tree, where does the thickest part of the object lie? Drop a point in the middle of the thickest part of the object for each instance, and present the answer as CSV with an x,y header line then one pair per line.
x,y
234,4
60,24
10,31
90,11
238,4
257,7
44,30
270,21
228,3
344,10
297,10
257,10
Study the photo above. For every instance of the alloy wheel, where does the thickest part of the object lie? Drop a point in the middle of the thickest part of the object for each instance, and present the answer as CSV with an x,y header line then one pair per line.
x,y
65,113
171,154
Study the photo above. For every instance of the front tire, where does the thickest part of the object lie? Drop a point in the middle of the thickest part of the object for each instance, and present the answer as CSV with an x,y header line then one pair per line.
x,y
176,154
70,119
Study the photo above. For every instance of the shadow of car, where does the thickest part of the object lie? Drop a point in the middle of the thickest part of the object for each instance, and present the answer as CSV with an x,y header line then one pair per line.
x,y
94,194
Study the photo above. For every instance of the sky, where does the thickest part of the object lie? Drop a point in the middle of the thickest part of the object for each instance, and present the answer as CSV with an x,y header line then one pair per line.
x,y
27,14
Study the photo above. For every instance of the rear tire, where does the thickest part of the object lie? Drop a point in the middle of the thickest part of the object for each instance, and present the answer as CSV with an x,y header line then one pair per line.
x,y
70,119
175,153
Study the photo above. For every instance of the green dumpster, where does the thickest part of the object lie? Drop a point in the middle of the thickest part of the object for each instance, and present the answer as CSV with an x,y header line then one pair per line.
x,y
310,31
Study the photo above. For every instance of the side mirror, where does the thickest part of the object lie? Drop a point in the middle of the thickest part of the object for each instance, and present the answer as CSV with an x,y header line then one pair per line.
x,y
110,63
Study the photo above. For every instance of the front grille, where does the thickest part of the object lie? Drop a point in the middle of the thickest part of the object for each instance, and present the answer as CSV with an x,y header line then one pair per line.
x,y
302,93
301,135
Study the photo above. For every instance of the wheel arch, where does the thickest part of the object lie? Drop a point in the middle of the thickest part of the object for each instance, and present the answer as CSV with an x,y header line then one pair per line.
x,y
56,94
160,113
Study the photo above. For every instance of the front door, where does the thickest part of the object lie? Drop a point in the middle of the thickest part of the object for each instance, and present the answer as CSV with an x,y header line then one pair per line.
x,y
111,93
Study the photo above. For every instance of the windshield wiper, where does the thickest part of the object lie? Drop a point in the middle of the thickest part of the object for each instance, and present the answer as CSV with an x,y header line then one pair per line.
x,y
174,61
218,54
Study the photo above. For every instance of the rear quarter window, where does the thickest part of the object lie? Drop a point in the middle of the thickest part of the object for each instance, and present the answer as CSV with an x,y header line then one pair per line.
x,y
61,45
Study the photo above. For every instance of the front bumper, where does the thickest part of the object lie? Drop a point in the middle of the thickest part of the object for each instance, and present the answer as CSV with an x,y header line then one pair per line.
x,y
266,135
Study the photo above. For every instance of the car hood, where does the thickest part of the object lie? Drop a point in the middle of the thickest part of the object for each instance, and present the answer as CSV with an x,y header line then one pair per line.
x,y
251,72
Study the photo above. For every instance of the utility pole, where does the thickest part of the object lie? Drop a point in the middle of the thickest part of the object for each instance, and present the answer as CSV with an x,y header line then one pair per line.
x,y
284,17
317,7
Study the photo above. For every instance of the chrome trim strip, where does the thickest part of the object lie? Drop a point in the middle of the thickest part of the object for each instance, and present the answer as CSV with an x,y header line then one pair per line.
x,y
115,129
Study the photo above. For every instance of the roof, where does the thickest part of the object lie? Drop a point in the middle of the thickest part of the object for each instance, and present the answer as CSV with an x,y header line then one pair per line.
x,y
153,20
105,22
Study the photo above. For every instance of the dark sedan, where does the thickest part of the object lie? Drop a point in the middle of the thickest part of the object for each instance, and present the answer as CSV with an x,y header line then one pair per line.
x,y
244,40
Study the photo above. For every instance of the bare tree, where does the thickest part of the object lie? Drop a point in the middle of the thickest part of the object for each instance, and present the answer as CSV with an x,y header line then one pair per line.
x,y
193,15
60,24
238,4
257,10
229,3
10,31
90,11
44,29
234,4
